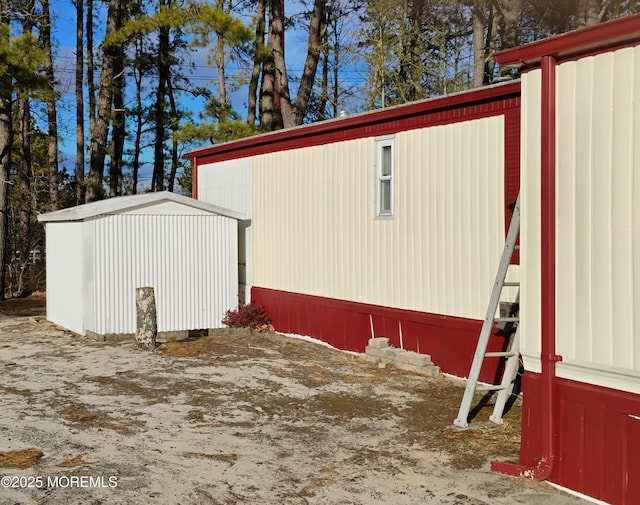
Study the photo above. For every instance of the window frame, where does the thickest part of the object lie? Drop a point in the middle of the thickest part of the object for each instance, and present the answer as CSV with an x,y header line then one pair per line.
x,y
381,143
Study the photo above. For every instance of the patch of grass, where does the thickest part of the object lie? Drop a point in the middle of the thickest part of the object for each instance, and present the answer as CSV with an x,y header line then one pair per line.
x,y
82,416
24,458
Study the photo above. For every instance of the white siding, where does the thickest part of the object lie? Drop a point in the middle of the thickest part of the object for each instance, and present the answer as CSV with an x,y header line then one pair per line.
x,y
227,184
315,226
189,260
66,297
530,226
598,219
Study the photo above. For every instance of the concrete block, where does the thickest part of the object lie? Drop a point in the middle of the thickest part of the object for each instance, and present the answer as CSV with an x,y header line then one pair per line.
x,y
430,370
414,358
379,342
370,358
385,352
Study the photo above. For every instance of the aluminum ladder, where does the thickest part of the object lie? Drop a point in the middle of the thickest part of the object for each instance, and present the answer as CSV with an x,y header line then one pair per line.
x,y
511,354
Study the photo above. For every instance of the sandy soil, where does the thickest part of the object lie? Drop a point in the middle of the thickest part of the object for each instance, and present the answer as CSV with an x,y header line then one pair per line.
x,y
243,419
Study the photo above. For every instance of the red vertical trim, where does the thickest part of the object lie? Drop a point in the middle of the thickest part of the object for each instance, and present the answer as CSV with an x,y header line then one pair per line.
x,y
549,424
548,257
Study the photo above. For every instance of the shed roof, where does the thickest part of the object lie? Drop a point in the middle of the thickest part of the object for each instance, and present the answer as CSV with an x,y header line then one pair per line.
x,y
134,203
591,40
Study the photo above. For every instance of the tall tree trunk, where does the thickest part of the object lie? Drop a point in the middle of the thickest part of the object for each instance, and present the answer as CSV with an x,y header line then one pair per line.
x,y
270,116
510,12
164,75
490,44
257,62
117,130
52,119
174,142
317,34
281,94
100,123
139,119
221,64
6,142
80,146
25,175
91,84
293,113
479,48
25,170
324,82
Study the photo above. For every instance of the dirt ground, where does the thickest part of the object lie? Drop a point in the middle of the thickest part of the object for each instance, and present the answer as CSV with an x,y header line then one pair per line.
x,y
235,419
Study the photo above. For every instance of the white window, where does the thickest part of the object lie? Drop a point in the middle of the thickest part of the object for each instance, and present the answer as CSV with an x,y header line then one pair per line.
x,y
384,177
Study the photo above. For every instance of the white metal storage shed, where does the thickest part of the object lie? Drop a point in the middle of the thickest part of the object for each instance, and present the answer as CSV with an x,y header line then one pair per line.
x,y
99,253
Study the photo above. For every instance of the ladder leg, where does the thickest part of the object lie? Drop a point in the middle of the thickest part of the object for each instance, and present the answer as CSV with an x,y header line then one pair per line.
x,y
463,413
510,373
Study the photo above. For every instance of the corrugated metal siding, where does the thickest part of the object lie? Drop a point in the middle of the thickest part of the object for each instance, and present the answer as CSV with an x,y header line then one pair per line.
x,y
315,229
530,226
598,202
191,261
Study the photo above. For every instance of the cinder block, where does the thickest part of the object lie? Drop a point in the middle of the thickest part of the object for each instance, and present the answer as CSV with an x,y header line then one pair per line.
x,y
371,358
430,370
379,342
414,358
385,352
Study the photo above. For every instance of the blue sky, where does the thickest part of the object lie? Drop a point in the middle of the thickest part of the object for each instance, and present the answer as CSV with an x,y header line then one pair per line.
x,y
63,32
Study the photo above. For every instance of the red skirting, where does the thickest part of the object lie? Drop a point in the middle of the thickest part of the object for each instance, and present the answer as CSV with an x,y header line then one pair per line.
x,y
451,341
597,436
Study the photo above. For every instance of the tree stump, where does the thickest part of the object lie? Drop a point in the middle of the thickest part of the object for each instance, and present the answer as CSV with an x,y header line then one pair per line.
x,y
147,325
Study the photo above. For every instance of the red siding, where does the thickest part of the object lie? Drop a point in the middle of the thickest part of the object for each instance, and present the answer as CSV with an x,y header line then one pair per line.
x,y
598,438
511,168
451,341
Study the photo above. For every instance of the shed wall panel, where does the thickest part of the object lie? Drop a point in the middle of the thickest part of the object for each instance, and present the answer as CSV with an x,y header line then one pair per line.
x,y
598,219
194,284
317,233
66,300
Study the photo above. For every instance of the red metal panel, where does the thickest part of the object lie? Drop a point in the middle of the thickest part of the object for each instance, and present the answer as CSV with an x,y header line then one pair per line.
x,y
593,450
598,438
613,462
450,341
511,169
531,432
571,457
632,480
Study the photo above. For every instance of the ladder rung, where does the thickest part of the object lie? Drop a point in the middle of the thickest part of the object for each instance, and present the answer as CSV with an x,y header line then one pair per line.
x,y
511,284
502,354
517,246
513,319
490,387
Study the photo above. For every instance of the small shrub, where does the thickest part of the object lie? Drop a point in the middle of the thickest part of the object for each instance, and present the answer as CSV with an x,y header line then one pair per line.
x,y
248,316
